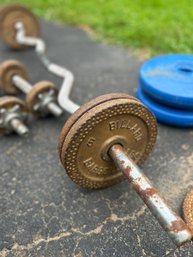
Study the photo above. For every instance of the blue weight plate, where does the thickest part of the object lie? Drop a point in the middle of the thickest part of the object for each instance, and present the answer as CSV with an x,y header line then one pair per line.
x,y
165,114
169,79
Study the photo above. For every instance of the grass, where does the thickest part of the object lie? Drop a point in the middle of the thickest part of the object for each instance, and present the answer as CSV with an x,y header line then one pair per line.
x,y
155,25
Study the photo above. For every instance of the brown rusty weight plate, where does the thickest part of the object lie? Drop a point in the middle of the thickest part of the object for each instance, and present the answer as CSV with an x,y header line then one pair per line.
x,y
42,87
8,69
84,108
10,14
84,151
8,102
188,209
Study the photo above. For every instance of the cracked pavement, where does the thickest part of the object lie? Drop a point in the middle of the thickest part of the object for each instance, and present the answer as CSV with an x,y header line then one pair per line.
x,y
42,212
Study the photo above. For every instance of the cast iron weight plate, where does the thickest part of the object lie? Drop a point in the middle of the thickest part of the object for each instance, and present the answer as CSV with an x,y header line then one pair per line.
x,y
84,142
8,69
165,114
84,108
169,79
188,209
10,14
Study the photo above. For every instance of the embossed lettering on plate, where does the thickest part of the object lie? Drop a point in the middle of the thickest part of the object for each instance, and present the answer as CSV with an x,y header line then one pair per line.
x,y
83,148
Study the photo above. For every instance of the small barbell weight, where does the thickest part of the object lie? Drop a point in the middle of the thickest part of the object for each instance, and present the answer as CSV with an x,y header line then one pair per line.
x,y
10,14
41,98
13,115
104,140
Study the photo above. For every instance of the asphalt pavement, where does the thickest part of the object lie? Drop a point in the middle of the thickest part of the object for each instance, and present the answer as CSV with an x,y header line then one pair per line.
x,y
42,212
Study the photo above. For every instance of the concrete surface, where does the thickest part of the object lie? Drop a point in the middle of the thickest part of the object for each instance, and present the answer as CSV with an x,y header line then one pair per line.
x,y
43,213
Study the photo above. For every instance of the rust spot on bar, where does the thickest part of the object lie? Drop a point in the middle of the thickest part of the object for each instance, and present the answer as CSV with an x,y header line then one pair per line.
x,y
150,191
127,172
183,243
145,194
137,188
178,225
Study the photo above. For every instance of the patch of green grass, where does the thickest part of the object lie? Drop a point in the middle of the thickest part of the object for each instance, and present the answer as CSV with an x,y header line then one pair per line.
x,y
156,25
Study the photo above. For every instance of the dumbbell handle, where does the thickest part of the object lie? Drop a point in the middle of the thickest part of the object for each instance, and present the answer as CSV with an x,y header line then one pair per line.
x,y
21,84
166,215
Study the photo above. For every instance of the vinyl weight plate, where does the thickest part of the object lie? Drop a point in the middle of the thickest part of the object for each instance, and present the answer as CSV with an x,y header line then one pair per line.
x,y
165,114
169,79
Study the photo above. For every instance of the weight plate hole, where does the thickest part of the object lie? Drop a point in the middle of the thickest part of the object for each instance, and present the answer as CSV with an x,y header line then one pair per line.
x,y
185,69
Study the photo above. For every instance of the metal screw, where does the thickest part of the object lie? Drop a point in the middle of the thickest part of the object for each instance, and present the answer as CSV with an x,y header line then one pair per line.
x,y
176,228
12,118
46,102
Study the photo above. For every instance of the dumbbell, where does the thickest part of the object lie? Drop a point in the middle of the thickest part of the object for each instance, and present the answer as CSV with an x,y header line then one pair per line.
x,y
13,115
105,139
41,99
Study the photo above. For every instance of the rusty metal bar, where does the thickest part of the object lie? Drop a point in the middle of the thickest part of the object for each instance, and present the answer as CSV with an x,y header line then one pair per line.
x,y
163,212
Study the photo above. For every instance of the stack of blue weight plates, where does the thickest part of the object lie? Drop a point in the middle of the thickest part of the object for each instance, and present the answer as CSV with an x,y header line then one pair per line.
x,y
166,88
